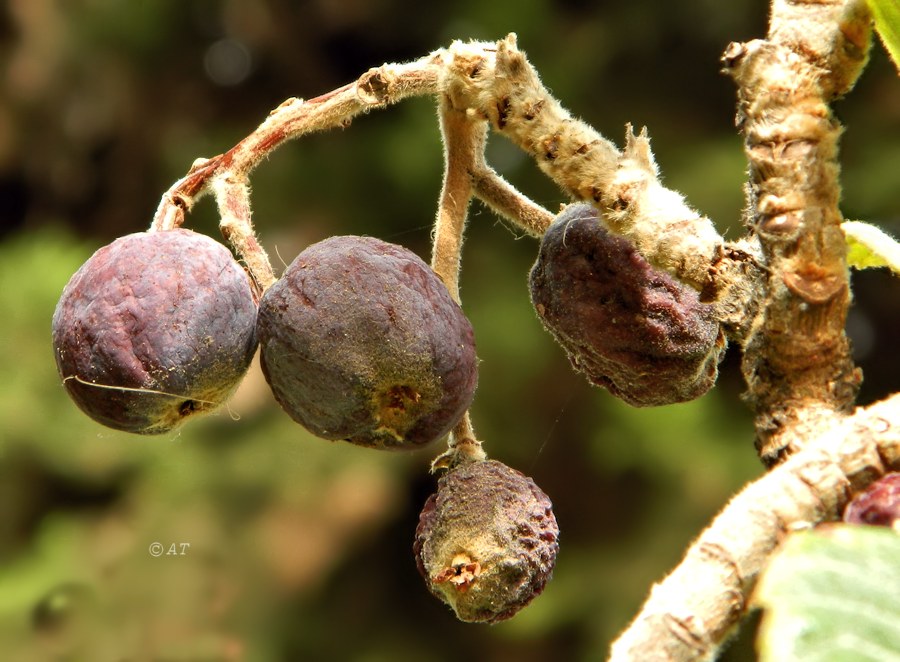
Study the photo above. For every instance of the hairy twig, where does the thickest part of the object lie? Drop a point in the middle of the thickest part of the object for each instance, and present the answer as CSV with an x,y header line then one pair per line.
x,y
500,85
464,141
466,174
503,198
227,173
233,197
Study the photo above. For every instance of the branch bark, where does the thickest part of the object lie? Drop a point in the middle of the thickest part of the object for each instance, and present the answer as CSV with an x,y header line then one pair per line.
x,y
801,379
691,612
797,362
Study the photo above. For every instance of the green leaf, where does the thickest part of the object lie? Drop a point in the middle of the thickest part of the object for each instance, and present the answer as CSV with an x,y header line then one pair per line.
x,y
832,596
887,24
867,246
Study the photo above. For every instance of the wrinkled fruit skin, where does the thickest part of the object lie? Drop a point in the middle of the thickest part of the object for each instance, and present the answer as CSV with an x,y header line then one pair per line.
x,y
154,328
878,505
487,541
627,326
361,341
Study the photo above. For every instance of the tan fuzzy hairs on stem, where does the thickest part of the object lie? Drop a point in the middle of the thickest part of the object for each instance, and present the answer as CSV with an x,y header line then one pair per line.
x,y
781,292
464,141
501,86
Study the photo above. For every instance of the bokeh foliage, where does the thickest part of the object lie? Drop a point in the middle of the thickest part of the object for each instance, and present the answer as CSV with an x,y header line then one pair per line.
x,y
300,548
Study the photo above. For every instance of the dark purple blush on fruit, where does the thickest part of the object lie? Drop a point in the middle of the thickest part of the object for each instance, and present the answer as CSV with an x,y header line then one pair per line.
x,y
877,505
624,324
362,342
487,541
153,329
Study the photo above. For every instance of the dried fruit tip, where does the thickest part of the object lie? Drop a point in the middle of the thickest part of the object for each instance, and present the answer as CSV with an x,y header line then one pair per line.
x,y
487,541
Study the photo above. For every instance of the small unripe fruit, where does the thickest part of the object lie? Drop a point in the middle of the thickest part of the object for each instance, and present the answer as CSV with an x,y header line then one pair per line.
x,y
361,341
628,326
487,541
878,505
155,328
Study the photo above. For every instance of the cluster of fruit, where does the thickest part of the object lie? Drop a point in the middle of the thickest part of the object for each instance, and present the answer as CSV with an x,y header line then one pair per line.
x,y
361,341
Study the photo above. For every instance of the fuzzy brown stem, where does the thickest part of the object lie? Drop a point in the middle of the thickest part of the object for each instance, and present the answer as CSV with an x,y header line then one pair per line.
x,y
692,611
504,199
464,441
464,141
496,82
233,198
462,446
294,118
797,360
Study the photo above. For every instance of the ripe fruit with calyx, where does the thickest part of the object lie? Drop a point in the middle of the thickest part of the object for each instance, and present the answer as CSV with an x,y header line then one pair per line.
x,y
361,341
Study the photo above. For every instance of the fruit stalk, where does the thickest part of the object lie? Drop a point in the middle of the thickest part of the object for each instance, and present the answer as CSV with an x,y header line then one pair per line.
x,y
464,141
505,200
233,197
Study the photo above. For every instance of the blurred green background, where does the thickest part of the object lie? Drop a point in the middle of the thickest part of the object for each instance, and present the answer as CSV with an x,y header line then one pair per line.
x,y
300,549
